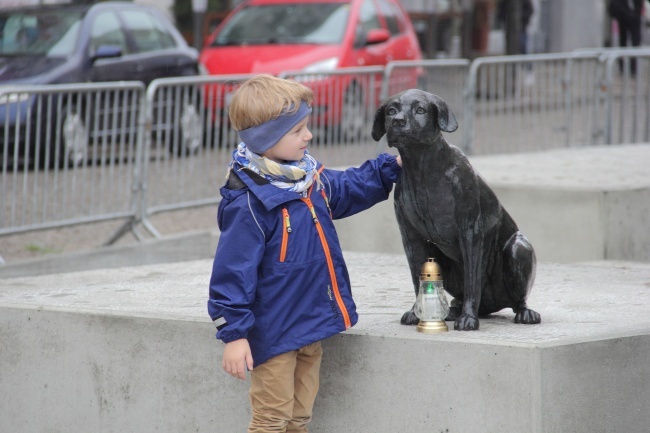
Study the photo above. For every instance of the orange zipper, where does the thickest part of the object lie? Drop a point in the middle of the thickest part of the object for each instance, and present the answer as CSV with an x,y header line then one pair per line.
x,y
285,234
330,263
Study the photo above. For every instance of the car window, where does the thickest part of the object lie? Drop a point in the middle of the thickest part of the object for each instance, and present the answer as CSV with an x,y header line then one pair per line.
x,y
294,23
368,20
390,14
106,30
148,32
47,33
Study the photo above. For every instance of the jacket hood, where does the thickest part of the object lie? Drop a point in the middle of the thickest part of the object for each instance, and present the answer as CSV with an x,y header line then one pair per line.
x,y
27,69
270,195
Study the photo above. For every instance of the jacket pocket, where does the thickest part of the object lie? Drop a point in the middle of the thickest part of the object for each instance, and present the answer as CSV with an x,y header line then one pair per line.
x,y
286,229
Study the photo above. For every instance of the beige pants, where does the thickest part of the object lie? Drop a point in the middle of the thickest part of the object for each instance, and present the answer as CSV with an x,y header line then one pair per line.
x,y
283,390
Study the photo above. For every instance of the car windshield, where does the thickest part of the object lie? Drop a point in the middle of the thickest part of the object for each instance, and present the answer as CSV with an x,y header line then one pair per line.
x,y
40,33
291,23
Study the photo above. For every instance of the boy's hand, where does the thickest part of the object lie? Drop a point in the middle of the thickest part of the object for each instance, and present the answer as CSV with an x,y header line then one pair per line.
x,y
399,160
236,358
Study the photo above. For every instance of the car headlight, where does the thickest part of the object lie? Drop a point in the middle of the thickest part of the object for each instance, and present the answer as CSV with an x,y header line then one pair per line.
x,y
326,65
13,98
323,65
203,70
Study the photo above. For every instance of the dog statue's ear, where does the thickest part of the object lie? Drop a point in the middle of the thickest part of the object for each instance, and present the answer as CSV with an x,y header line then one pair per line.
x,y
446,119
379,124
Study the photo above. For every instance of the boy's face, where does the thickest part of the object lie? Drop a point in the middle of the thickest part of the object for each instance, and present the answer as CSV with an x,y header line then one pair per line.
x,y
292,145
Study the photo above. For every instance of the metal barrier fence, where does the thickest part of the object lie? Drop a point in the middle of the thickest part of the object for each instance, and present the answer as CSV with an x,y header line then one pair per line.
x,y
186,158
545,101
627,96
532,102
64,149
188,154
81,153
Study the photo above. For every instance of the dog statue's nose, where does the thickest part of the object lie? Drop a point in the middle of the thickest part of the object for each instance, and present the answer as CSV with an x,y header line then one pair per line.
x,y
399,120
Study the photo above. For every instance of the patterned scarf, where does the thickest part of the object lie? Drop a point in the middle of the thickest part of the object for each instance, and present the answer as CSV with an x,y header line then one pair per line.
x,y
295,176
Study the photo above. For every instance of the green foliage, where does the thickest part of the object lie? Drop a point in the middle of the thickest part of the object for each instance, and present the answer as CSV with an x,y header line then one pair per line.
x,y
41,249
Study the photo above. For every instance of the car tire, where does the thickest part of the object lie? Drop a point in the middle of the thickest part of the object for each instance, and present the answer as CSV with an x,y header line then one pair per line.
x,y
71,148
189,132
352,123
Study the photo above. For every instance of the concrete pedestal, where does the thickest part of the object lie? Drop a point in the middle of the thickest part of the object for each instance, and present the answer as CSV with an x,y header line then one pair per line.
x,y
133,350
574,205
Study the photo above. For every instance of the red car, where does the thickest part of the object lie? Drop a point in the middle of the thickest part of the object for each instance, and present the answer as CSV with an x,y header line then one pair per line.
x,y
313,38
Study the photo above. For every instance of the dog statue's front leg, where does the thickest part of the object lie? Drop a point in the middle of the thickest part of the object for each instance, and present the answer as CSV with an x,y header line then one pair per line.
x,y
468,321
472,243
416,254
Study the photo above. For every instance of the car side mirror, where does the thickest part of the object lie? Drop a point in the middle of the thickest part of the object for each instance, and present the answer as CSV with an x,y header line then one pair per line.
x,y
107,52
377,36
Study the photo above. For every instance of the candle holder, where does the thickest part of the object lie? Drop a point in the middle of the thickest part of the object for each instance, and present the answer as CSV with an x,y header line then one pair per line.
x,y
431,306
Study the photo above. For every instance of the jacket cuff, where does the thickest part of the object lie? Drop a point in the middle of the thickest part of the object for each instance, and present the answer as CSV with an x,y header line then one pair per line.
x,y
393,167
230,336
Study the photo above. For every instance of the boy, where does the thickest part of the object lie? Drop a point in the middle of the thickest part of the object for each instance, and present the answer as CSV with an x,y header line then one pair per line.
x,y
279,284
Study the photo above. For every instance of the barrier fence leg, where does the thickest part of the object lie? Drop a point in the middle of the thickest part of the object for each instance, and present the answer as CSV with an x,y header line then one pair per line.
x,y
129,226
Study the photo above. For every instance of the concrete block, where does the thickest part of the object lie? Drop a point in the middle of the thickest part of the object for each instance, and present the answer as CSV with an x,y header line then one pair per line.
x,y
132,350
576,204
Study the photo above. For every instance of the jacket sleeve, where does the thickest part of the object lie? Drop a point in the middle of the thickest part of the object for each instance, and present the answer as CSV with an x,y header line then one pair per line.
x,y
357,189
234,272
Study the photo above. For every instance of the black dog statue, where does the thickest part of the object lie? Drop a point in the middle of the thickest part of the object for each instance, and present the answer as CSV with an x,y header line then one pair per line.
x,y
445,210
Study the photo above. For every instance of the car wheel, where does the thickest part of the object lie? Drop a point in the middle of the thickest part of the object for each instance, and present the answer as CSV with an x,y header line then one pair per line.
x,y
190,132
352,120
71,149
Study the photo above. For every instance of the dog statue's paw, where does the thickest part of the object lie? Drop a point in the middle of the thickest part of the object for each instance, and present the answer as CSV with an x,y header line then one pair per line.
x,y
527,317
466,322
409,318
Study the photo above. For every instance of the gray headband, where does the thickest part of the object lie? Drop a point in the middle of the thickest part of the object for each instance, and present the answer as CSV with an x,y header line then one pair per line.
x,y
262,137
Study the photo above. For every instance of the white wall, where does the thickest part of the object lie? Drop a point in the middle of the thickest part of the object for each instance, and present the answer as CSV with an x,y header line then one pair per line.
x,y
574,24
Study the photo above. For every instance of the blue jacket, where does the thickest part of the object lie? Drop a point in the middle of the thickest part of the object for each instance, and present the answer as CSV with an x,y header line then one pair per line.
x,y
279,278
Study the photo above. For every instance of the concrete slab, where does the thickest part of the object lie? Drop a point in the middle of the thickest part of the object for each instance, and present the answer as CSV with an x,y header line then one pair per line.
x,y
132,349
577,204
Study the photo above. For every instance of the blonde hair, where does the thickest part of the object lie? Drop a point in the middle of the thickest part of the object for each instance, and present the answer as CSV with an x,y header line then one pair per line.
x,y
265,97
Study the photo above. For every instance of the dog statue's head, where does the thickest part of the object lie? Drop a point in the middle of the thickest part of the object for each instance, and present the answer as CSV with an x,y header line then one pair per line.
x,y
412,116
